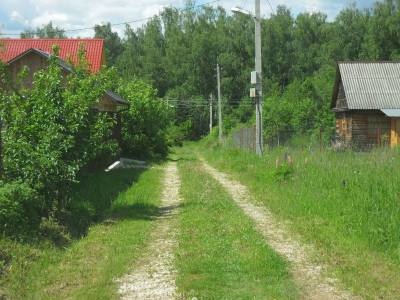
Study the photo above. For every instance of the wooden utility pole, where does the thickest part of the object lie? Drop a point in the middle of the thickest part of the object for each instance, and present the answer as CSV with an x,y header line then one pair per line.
x,y
219,105
211,112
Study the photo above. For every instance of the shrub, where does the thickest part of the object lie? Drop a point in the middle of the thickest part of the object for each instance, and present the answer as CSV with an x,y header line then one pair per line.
x,y
283,172
19,208
50,229
144,125
52,132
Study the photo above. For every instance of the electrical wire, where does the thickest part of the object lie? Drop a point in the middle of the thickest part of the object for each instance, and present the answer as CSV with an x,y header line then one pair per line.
x,y
270,6
112,25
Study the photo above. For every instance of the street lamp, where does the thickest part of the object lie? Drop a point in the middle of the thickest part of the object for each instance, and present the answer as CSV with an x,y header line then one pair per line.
x,y
240,10
257,76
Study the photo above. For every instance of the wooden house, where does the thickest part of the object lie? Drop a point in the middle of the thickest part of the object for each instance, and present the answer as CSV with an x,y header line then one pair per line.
x,y
33,55
366,100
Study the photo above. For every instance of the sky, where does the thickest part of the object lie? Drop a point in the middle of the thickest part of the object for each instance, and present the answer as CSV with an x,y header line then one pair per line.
x,y
17,15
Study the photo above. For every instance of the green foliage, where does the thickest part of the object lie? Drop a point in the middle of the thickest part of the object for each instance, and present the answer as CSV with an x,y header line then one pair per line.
x,y
19,208
47,31
145,123
177,134
283,172
51,230
37,270
52,132
112,42
302,108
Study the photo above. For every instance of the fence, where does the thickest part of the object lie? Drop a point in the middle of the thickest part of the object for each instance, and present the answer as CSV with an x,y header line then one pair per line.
x,y
244,138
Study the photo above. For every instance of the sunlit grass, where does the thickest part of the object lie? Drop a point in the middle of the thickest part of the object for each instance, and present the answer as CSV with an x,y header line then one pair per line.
x,y
221,255
347,204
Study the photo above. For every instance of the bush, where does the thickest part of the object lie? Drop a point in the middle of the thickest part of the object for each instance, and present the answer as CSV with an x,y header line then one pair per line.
x,y
19,208
52,132
144,125
302,108
50,229
283,172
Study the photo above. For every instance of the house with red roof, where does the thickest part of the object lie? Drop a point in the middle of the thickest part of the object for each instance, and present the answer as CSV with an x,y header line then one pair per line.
x,y
69,50
33,55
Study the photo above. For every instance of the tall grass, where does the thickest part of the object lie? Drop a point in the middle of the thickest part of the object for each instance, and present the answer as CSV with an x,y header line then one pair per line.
x,y
346,203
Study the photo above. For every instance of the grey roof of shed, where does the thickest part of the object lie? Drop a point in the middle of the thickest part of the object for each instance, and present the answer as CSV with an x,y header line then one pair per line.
x,y
369,85
117,98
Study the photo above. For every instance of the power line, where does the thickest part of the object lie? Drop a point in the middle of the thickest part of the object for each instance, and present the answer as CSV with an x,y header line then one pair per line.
x,y
272,8
112,25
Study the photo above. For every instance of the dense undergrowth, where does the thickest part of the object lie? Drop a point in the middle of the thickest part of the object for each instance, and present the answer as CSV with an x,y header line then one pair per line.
x,y
346,203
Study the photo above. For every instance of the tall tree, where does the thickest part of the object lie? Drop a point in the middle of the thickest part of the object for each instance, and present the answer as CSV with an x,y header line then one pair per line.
x,y
47,31
113,43
278,46
384,31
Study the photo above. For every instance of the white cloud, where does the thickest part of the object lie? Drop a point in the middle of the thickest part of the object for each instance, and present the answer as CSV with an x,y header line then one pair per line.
x,y
46,17
16,16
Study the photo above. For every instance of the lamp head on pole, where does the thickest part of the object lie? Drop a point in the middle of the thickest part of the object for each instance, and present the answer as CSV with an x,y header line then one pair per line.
x,y
240,10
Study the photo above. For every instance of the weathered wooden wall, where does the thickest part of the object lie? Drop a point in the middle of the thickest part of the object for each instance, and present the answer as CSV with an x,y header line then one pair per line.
x,y
32,63
245,138
343,128
370,129
341,102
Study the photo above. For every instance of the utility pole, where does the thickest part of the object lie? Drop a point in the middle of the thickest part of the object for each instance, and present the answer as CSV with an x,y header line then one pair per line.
x,y
211,112
258,62
256,76
219,105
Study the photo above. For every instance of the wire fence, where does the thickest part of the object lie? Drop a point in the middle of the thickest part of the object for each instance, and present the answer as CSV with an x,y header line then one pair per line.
x,y
245,138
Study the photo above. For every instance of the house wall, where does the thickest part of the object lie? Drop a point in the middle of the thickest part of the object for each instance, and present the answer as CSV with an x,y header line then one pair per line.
x,y
364,129
343,128
341,102
32,63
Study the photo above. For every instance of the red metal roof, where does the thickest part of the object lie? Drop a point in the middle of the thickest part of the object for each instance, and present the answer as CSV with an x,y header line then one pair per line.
x,y
11,48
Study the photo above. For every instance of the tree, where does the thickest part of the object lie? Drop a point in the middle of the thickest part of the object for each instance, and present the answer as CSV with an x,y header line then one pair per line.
x,y
145,123
47,31
350,28
112,42
278,47
383,40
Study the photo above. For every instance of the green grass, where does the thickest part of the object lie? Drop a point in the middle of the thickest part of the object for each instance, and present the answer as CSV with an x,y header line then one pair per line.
x,y
347,204
86,268
220,254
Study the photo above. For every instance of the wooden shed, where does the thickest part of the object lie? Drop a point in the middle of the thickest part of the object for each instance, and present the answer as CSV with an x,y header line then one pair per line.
x,y
366,100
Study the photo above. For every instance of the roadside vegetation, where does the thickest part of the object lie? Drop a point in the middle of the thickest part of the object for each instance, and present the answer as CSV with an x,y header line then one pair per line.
x,y
123,203
53,144
344,203
220,253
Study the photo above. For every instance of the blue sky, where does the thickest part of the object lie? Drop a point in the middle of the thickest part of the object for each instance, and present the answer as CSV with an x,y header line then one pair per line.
x,y
16,15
